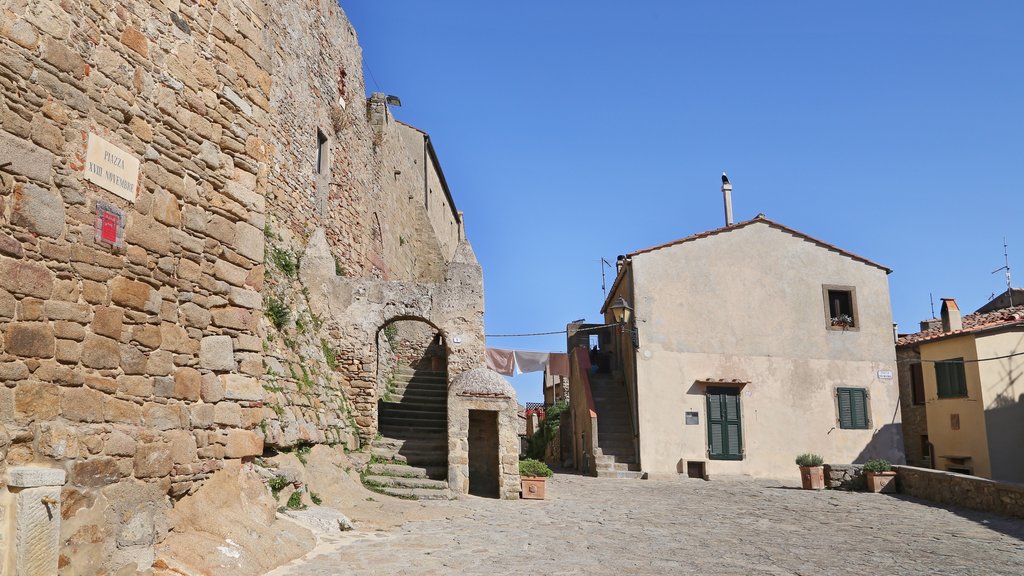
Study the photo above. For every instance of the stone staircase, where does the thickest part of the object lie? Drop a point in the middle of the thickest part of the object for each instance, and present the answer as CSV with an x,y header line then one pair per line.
x,y
410,458
616,457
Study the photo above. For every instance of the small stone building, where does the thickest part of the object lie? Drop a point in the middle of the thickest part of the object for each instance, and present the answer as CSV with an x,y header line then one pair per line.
x,y
483,439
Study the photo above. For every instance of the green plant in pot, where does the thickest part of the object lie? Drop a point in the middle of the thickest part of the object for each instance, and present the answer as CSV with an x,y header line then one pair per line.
x,y
533,473
812,473
880,475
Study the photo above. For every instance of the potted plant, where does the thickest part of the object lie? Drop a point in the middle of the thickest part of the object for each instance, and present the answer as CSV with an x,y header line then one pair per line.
x,y
881,477
533,473
812,473
843,320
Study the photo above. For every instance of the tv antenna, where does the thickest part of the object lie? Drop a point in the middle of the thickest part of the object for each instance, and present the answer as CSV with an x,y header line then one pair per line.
x,y
603,264
931,299
1006,267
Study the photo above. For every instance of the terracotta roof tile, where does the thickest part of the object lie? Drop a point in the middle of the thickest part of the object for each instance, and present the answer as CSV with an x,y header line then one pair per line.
x,y
973,323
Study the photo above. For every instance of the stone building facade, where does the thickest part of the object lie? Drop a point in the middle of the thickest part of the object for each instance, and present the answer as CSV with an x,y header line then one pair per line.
x,y
166,167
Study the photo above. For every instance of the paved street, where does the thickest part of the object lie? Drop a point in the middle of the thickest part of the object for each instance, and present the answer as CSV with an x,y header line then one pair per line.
x,y
607,526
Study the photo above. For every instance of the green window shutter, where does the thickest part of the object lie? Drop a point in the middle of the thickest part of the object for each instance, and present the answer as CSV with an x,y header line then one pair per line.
x,y
853,408
961,378
725,435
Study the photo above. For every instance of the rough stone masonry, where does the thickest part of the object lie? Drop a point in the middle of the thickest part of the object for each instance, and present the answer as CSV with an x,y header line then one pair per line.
x,y
163,165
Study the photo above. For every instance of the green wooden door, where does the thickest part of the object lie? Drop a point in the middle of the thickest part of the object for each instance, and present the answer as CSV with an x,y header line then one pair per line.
x,y
725,436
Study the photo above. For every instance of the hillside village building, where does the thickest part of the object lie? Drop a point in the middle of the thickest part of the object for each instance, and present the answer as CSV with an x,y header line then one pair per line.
x,y
213,244
962,399
747,345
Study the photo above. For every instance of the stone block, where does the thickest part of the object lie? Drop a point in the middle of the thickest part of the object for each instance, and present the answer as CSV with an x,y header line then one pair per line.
x,y
120,444
176,339
68,351
96,472
36,400
202,415
147,335
16,370
139,386
242,388
108,321
213,388
217,353
135,295
234,275
40,211
135,40
242,443
249,241
101,383
165,208
183,446
69,331
8,305
162,416
133,360
27,278
245,298
121,411
30,339
27,159
193,315
188,384
160,363
82,404
59,310
56,440
236,318
153,461
32,477
228,414
100,352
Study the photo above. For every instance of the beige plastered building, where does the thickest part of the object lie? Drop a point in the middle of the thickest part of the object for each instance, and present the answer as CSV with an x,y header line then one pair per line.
x,y
964,374
745,325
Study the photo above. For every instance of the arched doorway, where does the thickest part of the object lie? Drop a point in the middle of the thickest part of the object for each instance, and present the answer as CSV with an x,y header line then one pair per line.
x,y
412,407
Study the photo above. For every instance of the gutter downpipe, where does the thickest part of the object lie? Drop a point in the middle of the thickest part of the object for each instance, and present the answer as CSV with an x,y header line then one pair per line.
x,y
632,389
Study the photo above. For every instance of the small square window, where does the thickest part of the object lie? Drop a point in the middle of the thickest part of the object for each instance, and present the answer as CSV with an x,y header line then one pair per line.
x,y
841,313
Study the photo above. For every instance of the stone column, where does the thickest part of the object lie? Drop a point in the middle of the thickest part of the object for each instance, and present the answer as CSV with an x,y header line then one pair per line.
x,y
31,521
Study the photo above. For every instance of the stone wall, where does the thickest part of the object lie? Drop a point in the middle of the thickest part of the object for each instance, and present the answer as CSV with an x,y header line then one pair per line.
x,y
154,324
845,477
961,490
915,420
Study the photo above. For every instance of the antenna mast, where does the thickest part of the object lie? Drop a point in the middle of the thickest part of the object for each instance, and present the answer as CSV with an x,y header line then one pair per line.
x,y
932,300
603,264
1006,267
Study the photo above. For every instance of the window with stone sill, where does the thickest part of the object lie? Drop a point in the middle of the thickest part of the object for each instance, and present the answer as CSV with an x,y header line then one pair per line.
x,y
840,307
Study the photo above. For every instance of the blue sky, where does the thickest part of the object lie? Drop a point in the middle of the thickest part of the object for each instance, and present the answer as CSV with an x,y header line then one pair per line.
x,y
571,131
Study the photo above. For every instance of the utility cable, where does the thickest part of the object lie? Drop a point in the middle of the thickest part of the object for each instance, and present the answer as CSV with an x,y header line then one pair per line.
x,y
563,331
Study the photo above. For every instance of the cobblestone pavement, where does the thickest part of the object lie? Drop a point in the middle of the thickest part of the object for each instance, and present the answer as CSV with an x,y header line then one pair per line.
x,y
609,526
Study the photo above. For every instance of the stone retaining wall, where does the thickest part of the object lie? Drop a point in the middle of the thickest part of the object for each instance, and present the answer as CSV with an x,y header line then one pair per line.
x,y
845,477
962,490
136,352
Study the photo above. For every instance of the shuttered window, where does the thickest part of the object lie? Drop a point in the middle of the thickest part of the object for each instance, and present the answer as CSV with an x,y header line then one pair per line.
x,y
853,408
725,437
916,384
951,379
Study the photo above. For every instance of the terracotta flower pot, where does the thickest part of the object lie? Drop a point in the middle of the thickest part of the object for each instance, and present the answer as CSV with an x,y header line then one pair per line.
x,y
533,487
812,477
884,482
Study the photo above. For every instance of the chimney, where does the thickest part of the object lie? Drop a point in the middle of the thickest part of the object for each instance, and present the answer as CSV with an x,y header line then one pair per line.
x,y
727,193
619,263
951,320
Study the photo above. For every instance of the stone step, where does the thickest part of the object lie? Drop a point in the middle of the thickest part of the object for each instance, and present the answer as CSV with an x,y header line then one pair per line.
x,y
404,470
416,493
416,397
631,474
403,482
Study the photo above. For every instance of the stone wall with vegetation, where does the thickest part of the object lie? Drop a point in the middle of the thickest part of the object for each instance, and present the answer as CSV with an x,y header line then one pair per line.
x,y
961,490
141,366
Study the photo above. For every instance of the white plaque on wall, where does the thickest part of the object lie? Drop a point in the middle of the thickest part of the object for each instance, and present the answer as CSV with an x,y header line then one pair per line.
x,y
111,168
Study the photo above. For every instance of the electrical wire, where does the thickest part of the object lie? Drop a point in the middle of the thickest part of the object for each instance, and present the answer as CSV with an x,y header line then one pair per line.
x,y
548,333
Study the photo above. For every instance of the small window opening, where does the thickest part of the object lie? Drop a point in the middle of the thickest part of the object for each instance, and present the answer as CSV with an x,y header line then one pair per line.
x,y
321,152
840,308
916,384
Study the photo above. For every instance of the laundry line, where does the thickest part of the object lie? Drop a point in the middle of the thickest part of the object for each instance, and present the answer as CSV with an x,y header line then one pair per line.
x,y
512,362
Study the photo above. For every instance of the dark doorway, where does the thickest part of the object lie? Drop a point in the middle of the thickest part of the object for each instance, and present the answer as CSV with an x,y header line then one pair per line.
x,y
483,453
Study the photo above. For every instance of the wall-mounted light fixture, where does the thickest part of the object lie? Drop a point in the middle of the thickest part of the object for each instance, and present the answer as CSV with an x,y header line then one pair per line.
x,y
623,315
